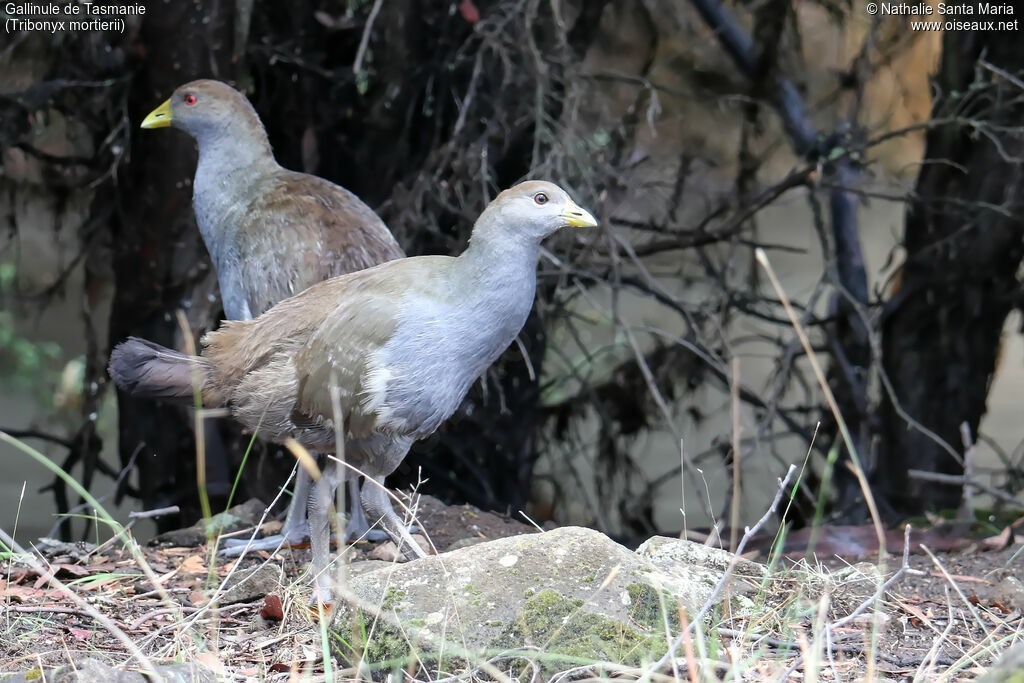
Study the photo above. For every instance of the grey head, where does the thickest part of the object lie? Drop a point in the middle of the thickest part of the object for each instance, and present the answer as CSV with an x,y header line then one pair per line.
x,y
529,212
211,112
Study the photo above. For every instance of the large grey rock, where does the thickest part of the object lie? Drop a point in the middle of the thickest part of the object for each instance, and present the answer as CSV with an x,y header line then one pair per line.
x,y
92,670
697,568
573,593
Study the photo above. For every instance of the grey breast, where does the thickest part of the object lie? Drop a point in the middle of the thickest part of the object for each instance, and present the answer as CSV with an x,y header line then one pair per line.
x,y
441,348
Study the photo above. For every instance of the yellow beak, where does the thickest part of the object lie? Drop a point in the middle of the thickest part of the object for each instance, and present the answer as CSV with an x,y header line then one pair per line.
x,y
159,117
578,217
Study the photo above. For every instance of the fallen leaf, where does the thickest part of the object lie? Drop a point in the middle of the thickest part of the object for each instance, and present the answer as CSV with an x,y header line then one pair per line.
x,y
19,573
333,22
20,593
81,633
272,527
211,661
961,577
1000,540
193,564
388,551
1001,607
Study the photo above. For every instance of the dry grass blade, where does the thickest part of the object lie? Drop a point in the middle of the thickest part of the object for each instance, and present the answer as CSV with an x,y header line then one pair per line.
x,y
82,604
720,586
119,530
306,461
967,603
858,470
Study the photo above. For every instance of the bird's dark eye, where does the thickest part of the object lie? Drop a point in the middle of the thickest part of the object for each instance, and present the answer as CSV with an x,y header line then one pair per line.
x,y
540,198
190,99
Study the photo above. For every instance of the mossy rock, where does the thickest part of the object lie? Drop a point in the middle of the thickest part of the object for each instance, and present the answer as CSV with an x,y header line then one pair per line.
x,y
577,595
567,634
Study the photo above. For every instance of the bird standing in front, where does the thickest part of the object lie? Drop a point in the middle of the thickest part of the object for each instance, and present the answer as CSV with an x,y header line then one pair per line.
x,y
271,232
399,345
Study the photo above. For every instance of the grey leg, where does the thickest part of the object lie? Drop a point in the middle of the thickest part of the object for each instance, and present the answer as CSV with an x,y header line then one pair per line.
x,y
378,507
295,528
294,531
321,502
357,527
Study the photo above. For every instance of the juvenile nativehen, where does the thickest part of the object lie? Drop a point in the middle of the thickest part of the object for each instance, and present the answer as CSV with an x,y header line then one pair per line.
x,y
271,232
402,342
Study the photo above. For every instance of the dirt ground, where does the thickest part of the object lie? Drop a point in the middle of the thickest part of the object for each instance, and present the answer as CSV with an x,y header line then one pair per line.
x,y
961,599
953,613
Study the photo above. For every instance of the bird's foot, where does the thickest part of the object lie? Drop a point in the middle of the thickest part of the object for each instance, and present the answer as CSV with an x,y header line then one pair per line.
x,y
322,600
389,551
233,547
356,532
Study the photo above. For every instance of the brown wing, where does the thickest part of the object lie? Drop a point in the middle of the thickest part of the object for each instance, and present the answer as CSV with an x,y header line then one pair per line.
x,y
241,347
285,360
344,348
301,230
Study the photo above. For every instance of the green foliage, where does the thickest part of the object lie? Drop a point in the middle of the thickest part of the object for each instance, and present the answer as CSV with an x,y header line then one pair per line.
x,y
26,365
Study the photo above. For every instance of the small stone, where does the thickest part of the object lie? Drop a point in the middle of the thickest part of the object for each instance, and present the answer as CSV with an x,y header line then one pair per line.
x,y
1009,593
466,542
248,585
388,551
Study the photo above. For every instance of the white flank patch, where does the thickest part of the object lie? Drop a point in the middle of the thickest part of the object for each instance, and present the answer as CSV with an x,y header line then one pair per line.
x,y
377,379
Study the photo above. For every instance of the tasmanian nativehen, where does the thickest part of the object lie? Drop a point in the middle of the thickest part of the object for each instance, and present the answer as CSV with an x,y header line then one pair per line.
x,y
400,344
271,232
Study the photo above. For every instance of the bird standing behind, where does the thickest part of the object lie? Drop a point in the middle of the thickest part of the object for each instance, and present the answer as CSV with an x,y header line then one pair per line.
x,y
399,344
271,232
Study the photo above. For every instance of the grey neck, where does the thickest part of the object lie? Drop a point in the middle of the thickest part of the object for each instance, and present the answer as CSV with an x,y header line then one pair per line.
x,y
506,262
231,153
231,163
497,282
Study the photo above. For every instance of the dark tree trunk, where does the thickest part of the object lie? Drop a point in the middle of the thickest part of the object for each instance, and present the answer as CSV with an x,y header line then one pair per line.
x,y
941,330
160,263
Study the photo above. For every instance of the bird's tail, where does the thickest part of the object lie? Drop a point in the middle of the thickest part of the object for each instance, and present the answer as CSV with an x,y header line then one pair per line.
x,y
148,370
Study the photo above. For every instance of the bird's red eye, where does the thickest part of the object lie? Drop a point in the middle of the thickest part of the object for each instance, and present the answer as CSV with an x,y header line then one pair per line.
x,y
190,99
540,198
